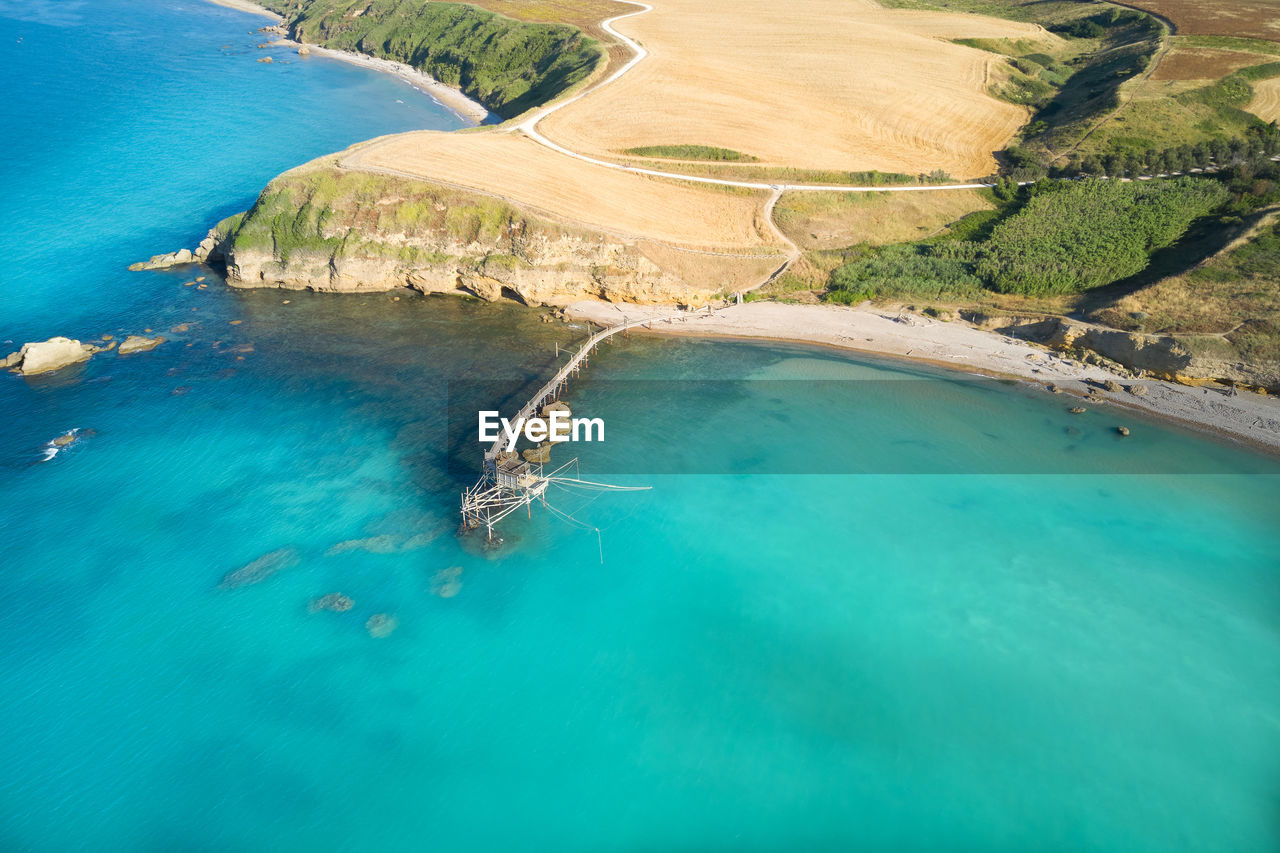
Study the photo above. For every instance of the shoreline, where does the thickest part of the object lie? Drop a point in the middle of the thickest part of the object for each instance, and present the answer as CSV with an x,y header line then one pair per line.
x,y
1247,419
454,100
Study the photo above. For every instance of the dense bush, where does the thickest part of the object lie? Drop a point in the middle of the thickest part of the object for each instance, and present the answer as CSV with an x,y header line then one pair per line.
x,y
1090,233
920,271
508,65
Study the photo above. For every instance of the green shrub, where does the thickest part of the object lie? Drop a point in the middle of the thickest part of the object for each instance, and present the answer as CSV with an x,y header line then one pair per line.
x,y
1090,233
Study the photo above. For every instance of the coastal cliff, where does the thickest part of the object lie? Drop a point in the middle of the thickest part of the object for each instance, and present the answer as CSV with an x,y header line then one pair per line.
x,y
324,229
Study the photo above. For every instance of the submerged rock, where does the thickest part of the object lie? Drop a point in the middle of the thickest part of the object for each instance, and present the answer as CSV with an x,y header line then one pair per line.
x,y
384,544
50,355
334,601
1077,410
381,625
260,569
447,583
137,343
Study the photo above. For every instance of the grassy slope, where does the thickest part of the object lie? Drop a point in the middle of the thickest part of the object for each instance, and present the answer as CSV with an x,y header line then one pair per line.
x,y
509,66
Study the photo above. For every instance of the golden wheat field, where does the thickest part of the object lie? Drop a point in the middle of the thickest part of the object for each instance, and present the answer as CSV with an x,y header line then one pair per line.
x,y
520,170
816,84
1266,99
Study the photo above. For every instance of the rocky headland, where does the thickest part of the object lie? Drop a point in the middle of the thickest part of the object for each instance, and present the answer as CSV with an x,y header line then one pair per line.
x,y
325,229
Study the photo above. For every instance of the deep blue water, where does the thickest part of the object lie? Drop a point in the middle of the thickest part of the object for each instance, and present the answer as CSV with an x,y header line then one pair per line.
x,y
989,639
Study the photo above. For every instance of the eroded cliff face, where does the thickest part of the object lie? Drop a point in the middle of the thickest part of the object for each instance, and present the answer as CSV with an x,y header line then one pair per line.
x,y
327,230
1161,356
551,271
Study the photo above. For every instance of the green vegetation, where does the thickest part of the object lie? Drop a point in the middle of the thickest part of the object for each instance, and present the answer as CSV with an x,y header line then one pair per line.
x,y
509,66
328,213
1056,237
907,270
1090,233
690,152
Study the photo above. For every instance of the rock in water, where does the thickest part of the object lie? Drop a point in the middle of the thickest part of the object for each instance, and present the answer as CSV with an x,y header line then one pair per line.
x,y
304,51
137,343
381,625
1123,430
159,262
50,355
1077,410
260,569
539,454
65,439
335,601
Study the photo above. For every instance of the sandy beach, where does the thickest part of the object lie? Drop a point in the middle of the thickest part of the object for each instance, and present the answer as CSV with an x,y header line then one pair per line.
x,y
447,96
1243,416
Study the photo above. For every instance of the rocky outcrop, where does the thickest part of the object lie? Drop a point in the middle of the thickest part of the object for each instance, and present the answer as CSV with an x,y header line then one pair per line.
x,y
48,356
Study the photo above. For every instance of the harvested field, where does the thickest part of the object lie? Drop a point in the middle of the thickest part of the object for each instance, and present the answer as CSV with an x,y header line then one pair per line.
x,y
831,221
819,84
1266,99
1247,19
1203,63
515,168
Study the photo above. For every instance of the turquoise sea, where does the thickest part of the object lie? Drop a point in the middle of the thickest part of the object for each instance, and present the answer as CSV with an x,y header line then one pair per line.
x,y
997,626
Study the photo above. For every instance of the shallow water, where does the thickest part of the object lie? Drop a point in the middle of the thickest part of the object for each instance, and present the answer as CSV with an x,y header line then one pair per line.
x,y
961,641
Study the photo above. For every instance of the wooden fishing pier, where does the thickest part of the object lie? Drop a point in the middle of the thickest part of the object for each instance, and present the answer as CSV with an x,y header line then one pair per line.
x,y
508,481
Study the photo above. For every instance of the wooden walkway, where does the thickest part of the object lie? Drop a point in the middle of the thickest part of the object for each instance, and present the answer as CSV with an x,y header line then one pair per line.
x,y
551,390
